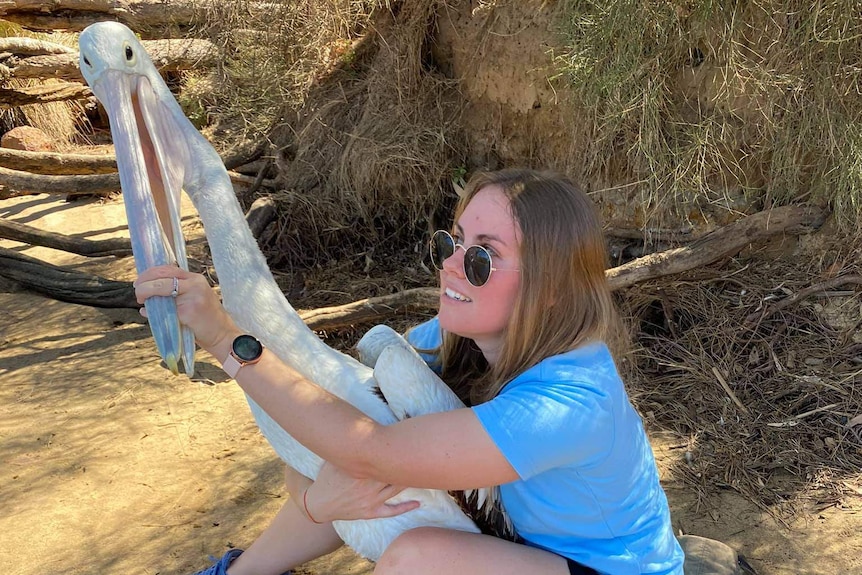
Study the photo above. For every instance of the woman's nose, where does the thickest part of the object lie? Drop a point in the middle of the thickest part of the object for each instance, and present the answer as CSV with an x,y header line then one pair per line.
x,y
454,264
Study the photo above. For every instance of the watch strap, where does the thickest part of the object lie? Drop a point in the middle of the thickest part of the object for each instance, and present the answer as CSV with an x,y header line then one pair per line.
x,y
231,365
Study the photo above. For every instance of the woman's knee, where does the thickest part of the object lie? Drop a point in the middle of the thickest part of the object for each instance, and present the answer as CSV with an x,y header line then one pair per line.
x,y
410,551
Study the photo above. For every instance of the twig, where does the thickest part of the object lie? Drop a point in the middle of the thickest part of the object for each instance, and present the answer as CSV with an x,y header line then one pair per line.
x,y
757,317
729,391
797,418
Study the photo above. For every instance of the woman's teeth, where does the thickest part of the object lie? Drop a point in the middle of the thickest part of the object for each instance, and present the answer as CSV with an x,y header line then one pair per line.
x,y
457,296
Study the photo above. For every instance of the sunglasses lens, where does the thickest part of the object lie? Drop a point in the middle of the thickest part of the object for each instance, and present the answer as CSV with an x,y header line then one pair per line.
x,y
477,265
442,247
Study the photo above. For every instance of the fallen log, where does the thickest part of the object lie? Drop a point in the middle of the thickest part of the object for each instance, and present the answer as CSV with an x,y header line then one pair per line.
x,y
168,55
81,246
64,284
718,244
148,18
75,15
372,309
14,183
51,163
21,46
241,154
57,92
708,249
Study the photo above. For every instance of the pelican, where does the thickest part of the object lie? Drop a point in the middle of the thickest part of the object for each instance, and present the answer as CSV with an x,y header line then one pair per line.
x,y
159,152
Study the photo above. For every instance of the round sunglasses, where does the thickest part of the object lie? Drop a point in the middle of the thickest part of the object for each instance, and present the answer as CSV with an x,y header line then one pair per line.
x,y
477,260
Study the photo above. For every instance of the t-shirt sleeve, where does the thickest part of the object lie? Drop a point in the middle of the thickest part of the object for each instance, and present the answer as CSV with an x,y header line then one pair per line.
x,y
539,425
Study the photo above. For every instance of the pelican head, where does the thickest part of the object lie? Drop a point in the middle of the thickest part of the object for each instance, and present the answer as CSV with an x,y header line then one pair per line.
x,y
151,154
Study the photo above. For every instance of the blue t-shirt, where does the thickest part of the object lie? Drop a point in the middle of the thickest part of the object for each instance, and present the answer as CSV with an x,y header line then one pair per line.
x,y
589,487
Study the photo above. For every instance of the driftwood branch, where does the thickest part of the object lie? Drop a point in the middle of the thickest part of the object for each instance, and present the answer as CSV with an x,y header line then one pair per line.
x,y
712,247
241,154
60,91
767,311
64,284
75,15
81,246
167,55
250,181
718,244
21,46
16,183
50,163
372,309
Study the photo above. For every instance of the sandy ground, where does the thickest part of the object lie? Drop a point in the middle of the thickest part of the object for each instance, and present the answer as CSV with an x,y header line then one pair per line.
x,y
111,464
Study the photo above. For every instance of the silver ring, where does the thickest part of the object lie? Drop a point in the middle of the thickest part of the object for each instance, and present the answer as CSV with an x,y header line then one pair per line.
x,y
176,291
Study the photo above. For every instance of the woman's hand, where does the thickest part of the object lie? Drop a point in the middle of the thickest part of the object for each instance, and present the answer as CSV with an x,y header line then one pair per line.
x,y
198,306
335,495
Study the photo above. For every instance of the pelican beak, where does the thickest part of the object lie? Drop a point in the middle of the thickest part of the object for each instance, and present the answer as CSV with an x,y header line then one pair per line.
x,y
151,154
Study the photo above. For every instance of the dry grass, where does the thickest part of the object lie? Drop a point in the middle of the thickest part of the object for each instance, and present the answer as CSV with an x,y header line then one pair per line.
x,y
272,58
707,102
779,433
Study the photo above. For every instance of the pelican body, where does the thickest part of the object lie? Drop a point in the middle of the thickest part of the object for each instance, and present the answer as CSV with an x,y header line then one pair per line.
x,y
159,152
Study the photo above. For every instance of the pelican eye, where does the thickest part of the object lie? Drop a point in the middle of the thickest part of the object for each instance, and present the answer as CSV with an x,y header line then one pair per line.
x,y
130,55
87,62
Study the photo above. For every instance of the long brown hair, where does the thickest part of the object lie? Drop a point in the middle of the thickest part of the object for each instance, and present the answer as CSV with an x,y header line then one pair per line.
x,y
564,300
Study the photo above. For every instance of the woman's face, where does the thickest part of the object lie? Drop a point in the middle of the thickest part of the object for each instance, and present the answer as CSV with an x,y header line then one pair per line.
x,y
482,313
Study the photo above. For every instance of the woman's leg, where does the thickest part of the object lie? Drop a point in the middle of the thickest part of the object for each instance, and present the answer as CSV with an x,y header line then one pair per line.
x,y
290,540
435,551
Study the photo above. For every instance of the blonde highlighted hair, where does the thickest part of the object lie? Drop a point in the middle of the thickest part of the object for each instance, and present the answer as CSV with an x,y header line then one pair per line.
x,y
564,300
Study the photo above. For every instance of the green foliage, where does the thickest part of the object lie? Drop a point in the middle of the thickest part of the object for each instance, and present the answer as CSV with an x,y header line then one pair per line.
x,y
195,98
701,101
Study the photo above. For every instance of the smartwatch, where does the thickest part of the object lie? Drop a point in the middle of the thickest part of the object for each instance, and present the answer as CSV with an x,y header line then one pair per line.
x,y
245,350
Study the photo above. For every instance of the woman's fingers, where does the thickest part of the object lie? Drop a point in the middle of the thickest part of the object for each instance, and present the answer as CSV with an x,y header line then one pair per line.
x,y
198,306
144,290
162,280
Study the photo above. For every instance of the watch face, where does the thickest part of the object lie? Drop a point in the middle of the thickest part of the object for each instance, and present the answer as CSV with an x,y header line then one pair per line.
x,y
247,348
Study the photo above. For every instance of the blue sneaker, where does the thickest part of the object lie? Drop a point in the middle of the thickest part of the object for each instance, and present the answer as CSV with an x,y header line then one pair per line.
x,y
220,568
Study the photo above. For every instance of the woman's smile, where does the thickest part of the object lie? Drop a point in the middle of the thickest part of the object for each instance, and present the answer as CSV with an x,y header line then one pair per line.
x,y
452,294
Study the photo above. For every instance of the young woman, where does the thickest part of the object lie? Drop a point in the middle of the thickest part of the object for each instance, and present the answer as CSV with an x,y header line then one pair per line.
x,y
524,313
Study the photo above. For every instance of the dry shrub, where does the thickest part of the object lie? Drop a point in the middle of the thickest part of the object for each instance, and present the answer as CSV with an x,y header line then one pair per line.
x,y
273,55
796,372
362,132
368,157
719,103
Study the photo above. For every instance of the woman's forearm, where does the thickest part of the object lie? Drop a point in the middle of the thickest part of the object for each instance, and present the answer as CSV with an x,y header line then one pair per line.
x,y
299,406
447,450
